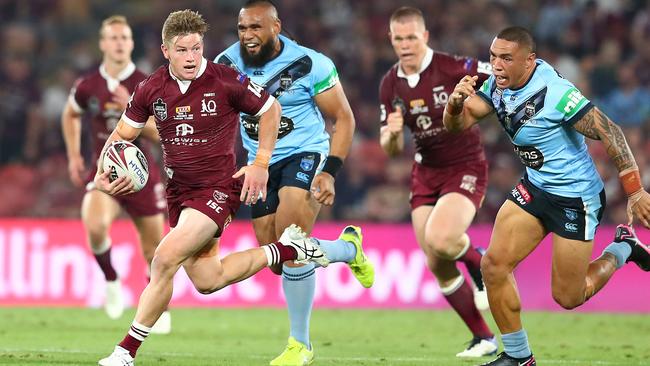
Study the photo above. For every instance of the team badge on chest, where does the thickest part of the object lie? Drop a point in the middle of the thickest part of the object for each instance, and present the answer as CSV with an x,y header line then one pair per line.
x,y
160,109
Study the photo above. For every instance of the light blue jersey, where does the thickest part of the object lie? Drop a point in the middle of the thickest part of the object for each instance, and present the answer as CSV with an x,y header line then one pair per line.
x,y
539,118
294,77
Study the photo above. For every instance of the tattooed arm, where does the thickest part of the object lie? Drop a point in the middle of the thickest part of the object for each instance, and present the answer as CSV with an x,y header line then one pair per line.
x,y
596,125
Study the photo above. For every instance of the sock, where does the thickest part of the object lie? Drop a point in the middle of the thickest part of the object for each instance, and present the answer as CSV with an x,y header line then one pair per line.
x,y
516,344
621,251
135,337
103,258
338,250
461,298
470,255
279,253
299,284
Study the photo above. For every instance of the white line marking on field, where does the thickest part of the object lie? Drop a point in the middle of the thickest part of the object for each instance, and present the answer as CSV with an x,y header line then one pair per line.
x,y
382,360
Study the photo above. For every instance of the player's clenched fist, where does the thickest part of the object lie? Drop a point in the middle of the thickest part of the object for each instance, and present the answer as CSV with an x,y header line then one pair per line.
x,y
395,121
463,90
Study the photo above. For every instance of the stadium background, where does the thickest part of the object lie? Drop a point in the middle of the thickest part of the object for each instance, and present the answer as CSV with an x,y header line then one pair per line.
x,y
602,46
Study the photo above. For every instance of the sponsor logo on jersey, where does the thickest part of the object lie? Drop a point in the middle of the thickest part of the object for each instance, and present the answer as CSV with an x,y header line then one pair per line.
x,y
520,193
418,106
184,129
468,183
382,113
183,109
571,227
307,163
530,156
303,177
571,214
571,102
160,109
251,126
423,122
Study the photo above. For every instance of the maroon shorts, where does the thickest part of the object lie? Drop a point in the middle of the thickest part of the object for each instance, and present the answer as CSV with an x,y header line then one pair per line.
x,y
219,203
429,184
147,202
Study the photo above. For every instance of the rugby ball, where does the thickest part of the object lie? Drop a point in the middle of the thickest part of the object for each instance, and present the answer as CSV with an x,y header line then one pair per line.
x,y
123,158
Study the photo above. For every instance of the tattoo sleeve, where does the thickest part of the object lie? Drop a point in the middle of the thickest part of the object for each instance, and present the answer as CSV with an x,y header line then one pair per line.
x,y
596,125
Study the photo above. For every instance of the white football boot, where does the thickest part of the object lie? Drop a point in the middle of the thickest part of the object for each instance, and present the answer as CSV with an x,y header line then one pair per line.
x,y
119,357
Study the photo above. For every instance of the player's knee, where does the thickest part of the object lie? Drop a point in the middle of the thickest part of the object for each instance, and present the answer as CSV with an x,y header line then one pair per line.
x,y
206,288
567,300
164,264
97,234
441,243
492,268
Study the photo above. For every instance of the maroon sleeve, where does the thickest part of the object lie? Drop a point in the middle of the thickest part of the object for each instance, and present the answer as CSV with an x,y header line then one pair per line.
x,y
79,95
385,98
137,110
243,94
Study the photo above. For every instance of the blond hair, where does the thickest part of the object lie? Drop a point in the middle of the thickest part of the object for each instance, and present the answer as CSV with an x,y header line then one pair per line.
x,y
183,22
113,19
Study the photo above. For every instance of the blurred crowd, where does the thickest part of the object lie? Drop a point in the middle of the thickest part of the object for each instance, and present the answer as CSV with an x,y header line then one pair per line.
x,y
602,46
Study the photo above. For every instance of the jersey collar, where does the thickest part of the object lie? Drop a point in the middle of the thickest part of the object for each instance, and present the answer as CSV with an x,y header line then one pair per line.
x,y
413,79
185,84
112,82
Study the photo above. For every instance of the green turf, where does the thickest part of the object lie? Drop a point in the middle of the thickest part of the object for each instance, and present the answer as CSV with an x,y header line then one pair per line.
x,y
341,337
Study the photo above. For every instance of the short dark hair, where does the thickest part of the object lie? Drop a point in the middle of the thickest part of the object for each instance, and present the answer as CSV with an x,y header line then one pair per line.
x,y
251,3
519,35
406,12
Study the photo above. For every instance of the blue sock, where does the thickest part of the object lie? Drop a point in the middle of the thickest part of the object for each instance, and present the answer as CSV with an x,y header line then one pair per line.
x,y
619,250
516,344
299,284
338,250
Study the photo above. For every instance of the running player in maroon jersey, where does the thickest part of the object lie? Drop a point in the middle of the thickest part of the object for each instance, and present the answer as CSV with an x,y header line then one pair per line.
x,y
449,174
196,106
102,95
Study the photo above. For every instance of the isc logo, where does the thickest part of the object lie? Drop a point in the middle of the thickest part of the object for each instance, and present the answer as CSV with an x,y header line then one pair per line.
x,y
213,205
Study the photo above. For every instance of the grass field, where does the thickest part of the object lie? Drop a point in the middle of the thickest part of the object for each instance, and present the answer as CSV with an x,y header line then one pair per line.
x,y
64,336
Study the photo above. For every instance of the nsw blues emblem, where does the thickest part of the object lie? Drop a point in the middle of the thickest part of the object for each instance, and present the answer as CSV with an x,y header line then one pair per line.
x,y
570,213
307,163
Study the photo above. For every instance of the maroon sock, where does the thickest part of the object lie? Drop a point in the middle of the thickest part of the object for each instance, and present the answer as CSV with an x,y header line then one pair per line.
x,y
134,339
472,258
462,300
104,261
281,253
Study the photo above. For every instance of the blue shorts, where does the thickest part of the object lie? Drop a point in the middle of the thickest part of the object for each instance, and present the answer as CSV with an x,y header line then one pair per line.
x,y
573,218
294,171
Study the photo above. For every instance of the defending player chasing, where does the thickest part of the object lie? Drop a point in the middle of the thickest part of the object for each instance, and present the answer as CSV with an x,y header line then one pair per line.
x,y
449,176
547,120
102,95
204,189
301,177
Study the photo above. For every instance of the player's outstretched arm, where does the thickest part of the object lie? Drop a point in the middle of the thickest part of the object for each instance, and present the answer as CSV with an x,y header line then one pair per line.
x,y
71,128
464,107
335,106
122,185
596,125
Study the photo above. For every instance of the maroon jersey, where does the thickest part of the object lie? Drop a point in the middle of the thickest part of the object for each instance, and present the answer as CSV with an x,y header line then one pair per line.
x,y
197,121
423,103
93,94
